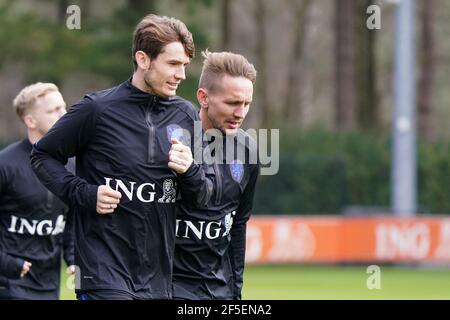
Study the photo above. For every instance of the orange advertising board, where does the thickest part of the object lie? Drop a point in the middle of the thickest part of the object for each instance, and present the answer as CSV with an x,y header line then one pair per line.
x,y
333,239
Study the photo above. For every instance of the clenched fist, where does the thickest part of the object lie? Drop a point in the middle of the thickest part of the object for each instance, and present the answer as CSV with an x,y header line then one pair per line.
x,y
107,199
180,157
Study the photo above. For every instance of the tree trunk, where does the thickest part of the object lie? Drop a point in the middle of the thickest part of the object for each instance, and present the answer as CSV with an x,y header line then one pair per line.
x,y
226,24
366,99
261,83
293,101
427,67
345,76
62,11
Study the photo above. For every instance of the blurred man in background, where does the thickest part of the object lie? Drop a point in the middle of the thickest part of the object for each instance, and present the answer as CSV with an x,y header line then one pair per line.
x,y
210,243
126,185
32,219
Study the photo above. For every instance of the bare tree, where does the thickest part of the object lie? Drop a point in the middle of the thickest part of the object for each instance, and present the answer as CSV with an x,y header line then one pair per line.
x,y
226,24
366,98
62,11
344,69
293,103
427,62
261,65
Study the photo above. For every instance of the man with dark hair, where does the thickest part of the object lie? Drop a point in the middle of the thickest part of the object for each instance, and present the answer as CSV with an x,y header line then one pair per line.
x,y
129,153
32,219
210,240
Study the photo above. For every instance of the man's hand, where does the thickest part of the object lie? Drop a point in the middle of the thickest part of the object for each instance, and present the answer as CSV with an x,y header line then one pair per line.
x,y
107,199
25,268
180,157
70,269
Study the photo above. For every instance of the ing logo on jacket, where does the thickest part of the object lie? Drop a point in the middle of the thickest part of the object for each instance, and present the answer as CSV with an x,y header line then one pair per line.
x,y
170,192
200,229
144,192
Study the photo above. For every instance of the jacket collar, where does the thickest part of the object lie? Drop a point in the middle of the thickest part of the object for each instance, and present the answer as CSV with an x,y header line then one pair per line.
x,y
142,95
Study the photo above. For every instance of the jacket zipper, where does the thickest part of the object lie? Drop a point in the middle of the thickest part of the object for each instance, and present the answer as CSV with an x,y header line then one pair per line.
x,y
218,184
151,130
49,203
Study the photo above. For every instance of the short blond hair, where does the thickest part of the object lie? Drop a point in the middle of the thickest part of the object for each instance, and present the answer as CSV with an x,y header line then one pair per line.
x,y
217,64
27,97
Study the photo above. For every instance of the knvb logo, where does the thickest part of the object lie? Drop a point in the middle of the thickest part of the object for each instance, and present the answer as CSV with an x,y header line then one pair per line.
x,y
36,227
201,229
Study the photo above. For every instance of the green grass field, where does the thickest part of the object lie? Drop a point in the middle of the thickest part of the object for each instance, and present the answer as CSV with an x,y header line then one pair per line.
x,y
336,282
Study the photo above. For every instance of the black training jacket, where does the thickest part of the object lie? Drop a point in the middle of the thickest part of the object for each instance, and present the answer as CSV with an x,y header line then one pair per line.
x,y
32,221
210,241
121,137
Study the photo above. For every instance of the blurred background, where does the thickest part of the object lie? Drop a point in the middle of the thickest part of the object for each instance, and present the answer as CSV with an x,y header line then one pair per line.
x,y
327,82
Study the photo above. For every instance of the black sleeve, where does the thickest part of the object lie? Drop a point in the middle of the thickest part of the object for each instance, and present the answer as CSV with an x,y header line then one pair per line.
x,y
3,179
196,187
10,266
64,140
246,201
68,239
236,250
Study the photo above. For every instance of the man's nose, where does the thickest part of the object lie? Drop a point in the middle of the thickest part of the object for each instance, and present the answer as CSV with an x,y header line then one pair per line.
x,y
239,112
181,74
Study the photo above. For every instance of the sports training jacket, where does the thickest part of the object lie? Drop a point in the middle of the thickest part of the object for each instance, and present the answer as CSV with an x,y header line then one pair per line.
x,y
32,221
121,137
210,240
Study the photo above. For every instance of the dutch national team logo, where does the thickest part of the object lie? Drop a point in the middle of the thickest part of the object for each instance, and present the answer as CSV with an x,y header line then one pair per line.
x,y
237,170
177,132
170,192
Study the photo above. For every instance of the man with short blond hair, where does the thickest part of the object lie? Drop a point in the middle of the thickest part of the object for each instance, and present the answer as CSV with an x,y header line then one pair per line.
x,y
28,96
210,243
32,219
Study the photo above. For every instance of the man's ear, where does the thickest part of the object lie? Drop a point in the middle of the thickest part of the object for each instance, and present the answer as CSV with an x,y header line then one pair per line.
x,y
29,121
142,60
202,97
